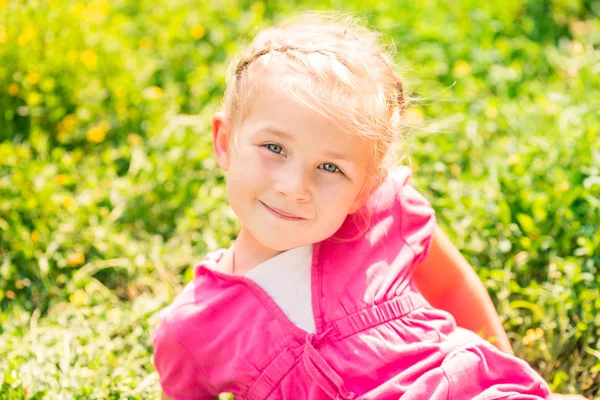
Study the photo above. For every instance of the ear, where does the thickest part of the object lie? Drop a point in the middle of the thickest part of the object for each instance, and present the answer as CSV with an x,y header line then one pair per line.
x,y
220,135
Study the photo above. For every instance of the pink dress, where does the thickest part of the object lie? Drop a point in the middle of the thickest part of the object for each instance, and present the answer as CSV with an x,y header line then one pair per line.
x,y
376,336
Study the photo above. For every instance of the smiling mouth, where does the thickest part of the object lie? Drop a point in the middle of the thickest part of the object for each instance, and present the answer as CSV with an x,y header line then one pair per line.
x,y
282,214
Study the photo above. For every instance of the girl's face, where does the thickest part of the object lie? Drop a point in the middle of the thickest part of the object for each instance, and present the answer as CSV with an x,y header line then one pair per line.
x,y
293,175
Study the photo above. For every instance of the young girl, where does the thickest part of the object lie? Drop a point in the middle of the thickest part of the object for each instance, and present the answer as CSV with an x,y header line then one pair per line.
x,y
318,298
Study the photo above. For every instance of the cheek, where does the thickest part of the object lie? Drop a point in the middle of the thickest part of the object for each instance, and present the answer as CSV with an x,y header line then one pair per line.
x,y
240,194
249,171
336,199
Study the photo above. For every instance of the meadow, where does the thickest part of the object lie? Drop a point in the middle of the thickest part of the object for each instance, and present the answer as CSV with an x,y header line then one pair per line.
x,y
109,193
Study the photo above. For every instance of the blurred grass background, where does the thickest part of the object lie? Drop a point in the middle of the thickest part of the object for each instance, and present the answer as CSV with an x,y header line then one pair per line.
x,y
109,192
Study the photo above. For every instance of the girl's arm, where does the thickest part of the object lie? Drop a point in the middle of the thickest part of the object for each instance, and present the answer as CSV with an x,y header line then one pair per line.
x,y
449,283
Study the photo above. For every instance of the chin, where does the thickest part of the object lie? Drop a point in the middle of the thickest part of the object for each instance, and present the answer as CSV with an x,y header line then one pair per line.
x,y
279,243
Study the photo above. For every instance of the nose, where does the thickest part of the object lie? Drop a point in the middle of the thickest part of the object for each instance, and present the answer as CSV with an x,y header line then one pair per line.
x,y
293,183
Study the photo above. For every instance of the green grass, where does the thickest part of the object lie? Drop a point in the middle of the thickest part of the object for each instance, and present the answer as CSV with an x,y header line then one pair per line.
x,y
109,192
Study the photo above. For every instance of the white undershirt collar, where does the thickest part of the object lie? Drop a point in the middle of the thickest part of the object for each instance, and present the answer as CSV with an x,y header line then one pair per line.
x,y
286,278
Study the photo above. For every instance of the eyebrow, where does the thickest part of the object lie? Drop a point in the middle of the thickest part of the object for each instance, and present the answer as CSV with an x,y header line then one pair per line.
x,y
340,156
279,133
332,154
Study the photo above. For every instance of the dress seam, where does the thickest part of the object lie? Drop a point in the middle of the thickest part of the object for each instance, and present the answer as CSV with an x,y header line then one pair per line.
x,y
274,311
401,224
250,391
402,300
408,244
427,246
196,365
449,394
319,289
268,302
401,218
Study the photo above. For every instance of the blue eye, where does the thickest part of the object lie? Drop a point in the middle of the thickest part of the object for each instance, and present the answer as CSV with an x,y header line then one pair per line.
x,y
329,167
275,148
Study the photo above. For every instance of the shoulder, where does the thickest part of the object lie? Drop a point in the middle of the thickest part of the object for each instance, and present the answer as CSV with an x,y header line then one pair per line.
x,y
396,192
171,335
397,209
178,341
185,311
174,357
190,306
385,246
417,217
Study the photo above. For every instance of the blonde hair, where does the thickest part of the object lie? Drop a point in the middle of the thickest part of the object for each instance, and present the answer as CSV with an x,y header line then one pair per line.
x,y
336,68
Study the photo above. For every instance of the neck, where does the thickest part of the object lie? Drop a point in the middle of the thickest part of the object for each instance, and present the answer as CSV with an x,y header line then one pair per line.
x,y
248,252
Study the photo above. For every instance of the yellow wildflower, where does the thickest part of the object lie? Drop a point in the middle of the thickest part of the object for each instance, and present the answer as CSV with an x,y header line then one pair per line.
x,y
89,59
66,126
120,92
48,84
72,56
26,37
153,93
532,335
581,28
134,139
197,31
96,12
3,35
69,203
461,69
75,259
32,78
78,9
35,236
34,99
79,298
121,110
22,40
513,159
21,283
145,43
61,179
97,133
13,89
563,186
68,122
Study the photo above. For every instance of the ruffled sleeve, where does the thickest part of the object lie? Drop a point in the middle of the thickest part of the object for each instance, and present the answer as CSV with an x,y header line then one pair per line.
x,y
482,372
180,376
417,217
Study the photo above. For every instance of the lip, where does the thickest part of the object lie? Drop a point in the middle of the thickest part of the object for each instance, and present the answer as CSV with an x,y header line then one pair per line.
x,y
282,214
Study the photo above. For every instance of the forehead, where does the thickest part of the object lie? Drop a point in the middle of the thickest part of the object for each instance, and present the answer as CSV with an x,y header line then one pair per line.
x,y
272,112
